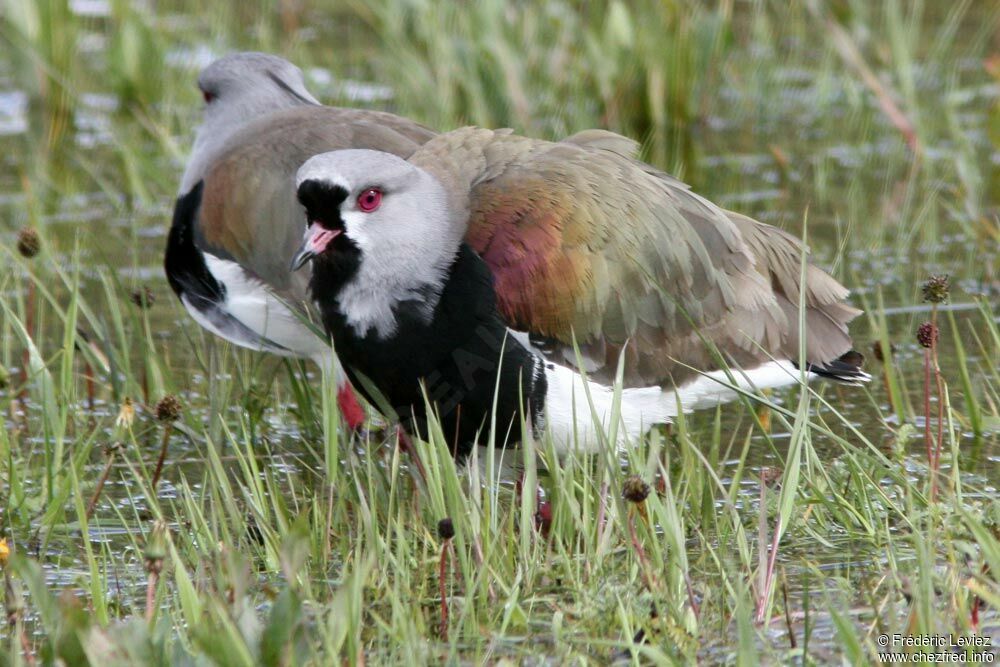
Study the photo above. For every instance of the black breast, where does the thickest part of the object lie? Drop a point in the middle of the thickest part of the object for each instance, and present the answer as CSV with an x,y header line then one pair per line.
x,y
462,358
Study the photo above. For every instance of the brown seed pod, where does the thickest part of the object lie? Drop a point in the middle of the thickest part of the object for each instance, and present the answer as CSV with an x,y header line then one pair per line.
x,y
168,408
927,334
143,297
635,490
936,289
28,242
770,474
446,529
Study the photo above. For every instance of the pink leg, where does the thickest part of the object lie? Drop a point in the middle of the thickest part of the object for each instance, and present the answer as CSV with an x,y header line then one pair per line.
x,y
353,413
543,507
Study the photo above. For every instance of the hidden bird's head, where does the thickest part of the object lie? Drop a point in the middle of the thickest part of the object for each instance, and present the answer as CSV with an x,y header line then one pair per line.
x,y
243,86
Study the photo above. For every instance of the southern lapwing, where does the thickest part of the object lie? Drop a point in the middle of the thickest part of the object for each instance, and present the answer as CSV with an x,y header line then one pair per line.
x,y
482,269
237,223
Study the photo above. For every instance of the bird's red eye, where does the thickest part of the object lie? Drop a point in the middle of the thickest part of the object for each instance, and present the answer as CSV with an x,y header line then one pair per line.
x,y
370,199
208,96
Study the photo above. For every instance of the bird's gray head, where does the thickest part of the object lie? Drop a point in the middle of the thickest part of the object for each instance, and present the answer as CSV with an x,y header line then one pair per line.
x,y
381,228
245,85
237,89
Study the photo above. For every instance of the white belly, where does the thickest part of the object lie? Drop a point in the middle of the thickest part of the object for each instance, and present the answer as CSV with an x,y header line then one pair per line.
x,y
579,414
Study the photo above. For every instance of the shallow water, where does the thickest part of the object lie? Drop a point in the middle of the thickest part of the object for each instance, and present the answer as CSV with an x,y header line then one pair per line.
x,y
771,152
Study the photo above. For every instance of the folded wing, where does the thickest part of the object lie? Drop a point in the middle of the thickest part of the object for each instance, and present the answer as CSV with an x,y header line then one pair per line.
x,y
585,242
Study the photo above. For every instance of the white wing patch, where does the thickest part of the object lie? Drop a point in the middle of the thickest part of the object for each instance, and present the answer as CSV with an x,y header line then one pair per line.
x,y
252,317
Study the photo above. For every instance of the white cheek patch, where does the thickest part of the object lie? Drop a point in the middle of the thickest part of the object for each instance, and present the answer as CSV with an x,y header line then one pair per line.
x,y
355,228
407,246
367,301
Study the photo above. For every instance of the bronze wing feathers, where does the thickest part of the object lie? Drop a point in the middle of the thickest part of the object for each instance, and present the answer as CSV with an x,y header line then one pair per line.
x,y
586,241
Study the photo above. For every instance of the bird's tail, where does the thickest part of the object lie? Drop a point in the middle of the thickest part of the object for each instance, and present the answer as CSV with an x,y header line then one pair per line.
x,y
845,369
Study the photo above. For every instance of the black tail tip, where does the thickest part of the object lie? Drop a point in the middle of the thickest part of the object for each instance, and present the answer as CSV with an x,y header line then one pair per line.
x,y
846,368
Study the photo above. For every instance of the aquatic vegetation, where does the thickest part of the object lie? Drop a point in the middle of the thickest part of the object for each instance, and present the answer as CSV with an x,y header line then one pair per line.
x,y
166,498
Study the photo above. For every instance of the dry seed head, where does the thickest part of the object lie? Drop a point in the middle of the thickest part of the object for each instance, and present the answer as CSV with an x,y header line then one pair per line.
x,y
770,474
28,242
927,334
635,490
156,545
126,415
446,529
142,297
168,409
935,289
